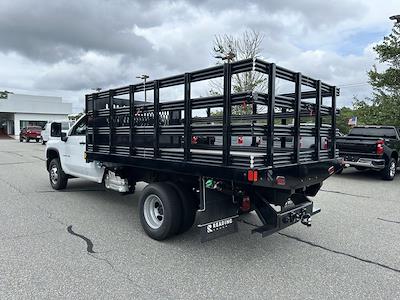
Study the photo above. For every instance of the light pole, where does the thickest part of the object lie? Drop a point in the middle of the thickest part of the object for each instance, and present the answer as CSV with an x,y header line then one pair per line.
x,y
144,77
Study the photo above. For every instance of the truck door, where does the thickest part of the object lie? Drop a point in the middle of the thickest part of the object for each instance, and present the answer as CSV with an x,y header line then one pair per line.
x,y
75,148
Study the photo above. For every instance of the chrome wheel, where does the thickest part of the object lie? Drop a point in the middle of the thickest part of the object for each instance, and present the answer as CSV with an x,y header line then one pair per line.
x,y
54,174
153,210
392,170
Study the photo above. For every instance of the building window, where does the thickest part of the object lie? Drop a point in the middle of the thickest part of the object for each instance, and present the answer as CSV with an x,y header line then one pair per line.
x,y
25,123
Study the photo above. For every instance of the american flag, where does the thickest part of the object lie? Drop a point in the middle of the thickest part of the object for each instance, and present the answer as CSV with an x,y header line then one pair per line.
x,y
352,121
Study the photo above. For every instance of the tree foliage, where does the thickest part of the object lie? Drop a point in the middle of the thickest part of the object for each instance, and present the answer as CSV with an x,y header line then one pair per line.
x,y
383,108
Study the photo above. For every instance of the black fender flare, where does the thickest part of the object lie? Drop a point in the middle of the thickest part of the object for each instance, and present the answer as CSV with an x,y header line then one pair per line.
x,y
50,157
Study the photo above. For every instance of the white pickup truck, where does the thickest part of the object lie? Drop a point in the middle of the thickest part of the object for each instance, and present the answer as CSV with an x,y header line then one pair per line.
x,y
66,155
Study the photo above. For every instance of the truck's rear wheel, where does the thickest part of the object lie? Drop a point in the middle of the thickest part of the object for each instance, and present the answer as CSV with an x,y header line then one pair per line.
x,y
58,179
389,171
160,211
189,207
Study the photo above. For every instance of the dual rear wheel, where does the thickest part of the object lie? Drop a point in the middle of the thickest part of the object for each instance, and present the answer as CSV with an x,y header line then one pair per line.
x,y
166,209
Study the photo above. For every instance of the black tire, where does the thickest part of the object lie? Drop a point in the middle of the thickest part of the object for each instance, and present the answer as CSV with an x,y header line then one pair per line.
x,y
20,140
27,140
171,212
189,206
389,172
59,180
340,171
37,140
360,168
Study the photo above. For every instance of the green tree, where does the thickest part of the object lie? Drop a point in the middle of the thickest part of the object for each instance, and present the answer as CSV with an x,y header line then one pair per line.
x,y
383,108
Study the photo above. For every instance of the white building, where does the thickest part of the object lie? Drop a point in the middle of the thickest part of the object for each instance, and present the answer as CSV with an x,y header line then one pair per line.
x,y
18,111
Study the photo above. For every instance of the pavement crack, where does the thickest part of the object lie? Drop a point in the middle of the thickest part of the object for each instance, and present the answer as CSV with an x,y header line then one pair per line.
x,y
390,221
50,216
16,163
153,294
341,253
343,193
126,275
22,236
89,243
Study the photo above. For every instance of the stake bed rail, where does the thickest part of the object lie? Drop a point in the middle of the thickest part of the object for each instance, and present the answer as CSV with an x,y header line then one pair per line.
x,y
170,136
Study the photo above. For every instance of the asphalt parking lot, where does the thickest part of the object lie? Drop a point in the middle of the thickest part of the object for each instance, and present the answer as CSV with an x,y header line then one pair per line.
x,y
86,242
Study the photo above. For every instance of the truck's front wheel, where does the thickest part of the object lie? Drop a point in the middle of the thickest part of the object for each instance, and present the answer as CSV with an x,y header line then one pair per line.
x,y
389,171
58,179
160,211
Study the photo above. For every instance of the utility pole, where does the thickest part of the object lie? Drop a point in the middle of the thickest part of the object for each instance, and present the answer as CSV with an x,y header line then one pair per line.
x,y
144,77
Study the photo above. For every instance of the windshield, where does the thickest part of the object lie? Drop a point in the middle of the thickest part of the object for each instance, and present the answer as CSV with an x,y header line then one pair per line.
x,y
373,132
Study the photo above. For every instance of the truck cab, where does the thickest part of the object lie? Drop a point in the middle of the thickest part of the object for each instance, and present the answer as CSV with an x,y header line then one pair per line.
x,y
65,154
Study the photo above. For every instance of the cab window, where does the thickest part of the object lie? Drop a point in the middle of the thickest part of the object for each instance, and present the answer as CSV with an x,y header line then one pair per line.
x,y
80,128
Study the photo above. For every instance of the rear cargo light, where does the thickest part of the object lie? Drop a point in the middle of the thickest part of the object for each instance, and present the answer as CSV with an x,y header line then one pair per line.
x,y
240,140
245,204
252,175
379,147
280,180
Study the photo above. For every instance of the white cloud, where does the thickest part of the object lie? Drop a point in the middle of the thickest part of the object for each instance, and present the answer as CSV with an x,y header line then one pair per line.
x,y
65,49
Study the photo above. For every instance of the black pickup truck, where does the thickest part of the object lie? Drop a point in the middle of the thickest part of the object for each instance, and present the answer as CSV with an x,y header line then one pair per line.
x,y
371,147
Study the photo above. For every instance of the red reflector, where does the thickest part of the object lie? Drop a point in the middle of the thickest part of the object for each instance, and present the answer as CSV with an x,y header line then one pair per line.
x,y
280,180
245,204
240,140
194,139
331,170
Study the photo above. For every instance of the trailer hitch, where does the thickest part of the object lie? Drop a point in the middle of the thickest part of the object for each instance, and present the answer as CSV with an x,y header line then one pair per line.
x,y
306,220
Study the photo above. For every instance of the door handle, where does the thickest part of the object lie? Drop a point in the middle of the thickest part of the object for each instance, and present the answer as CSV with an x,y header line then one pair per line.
x,y
82,143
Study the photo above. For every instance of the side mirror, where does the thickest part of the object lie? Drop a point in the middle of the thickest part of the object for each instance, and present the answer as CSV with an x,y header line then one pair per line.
x,y
64,136
55,129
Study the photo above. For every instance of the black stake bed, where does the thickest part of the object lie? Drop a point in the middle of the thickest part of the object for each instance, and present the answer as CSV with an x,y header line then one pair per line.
x,y
172,136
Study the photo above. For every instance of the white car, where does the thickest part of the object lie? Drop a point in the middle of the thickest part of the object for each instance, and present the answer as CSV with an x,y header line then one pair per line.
x,y
46,133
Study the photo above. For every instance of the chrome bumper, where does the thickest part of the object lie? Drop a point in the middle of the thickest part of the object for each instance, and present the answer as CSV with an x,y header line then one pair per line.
x,y
376,164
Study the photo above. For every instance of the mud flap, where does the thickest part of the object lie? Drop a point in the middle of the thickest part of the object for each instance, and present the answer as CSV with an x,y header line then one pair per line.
x,y
218,216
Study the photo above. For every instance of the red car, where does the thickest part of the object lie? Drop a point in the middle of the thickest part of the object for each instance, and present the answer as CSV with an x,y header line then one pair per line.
x,y
31,133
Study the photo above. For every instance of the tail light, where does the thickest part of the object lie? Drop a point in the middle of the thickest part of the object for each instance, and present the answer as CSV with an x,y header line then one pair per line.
x,y
240,140
379,147
252,175
331,170
28,131
280,180
194,139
